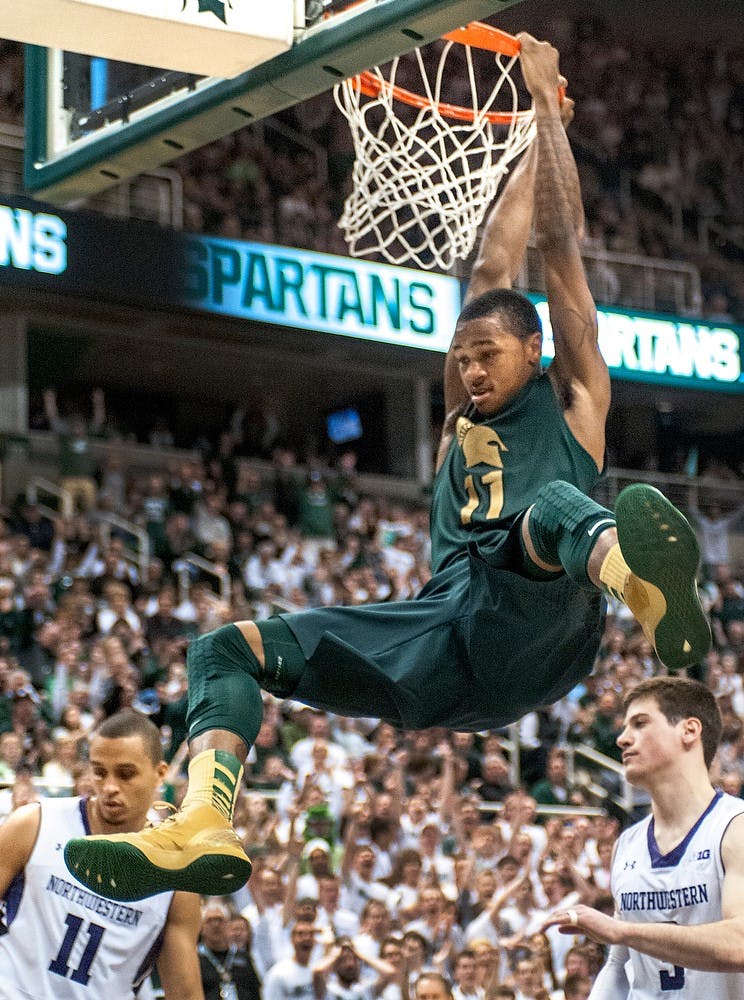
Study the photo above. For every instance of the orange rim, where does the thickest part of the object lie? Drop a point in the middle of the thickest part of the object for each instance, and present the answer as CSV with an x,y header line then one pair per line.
x,y
372,86
482,36
478,36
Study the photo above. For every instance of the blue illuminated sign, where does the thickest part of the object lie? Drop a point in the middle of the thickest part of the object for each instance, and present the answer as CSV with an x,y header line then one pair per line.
x,y
315,291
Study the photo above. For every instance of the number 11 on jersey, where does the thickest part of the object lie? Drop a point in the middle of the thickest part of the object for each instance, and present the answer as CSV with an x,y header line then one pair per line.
x,y
495,482
59,964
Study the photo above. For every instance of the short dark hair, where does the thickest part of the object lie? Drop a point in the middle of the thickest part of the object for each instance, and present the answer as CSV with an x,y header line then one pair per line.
x,y
519,313
418,938
129,722
507,859
682,698
381,824
574,983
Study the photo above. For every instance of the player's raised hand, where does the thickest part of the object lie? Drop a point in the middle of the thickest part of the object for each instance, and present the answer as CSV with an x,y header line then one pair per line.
x,y
539,62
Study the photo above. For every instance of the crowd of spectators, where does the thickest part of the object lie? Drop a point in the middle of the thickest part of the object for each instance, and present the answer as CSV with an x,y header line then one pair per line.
x,y
379,855
665,130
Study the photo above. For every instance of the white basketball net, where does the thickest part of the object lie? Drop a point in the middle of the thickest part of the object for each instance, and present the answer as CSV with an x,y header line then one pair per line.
x,y
421,187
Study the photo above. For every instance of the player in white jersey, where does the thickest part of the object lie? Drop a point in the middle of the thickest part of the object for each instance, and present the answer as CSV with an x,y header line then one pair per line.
x,y
678,875
59,940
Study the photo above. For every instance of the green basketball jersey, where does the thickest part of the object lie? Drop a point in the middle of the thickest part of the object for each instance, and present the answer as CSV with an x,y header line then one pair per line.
x,y
495,467
481,644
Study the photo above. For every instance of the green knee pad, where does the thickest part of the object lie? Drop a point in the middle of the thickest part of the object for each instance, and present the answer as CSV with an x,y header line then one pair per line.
x,y
224,690
226,677
564,526
283,658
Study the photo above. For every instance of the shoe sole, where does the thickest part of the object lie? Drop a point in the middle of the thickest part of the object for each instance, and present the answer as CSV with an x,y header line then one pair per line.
x,y
124,873
660,547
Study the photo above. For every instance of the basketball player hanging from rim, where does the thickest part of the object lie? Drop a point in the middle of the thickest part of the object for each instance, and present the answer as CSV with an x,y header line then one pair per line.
x,y
512,616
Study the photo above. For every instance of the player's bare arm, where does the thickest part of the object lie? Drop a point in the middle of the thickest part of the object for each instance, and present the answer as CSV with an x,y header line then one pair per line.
x,y
500,256
507,228
502,248
178,964
17,838
579,371
712,947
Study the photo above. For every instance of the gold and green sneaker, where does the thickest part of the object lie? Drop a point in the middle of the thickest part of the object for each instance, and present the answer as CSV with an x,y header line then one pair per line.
x,y
195,850
661,551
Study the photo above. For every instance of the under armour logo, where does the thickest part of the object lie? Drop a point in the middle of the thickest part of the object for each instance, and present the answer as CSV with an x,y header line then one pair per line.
x,y
216,7
629,864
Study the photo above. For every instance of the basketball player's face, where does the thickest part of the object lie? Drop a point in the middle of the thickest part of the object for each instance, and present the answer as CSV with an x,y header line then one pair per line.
x,y
124,780
648,741
494,365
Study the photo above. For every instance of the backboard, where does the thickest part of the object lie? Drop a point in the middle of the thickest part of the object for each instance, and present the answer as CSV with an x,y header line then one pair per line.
x,y
93,121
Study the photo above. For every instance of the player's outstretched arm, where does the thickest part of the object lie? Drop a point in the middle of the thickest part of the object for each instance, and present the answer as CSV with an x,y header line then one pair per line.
x,y
578,364
17,837
500,254
506,230
178,964
712,947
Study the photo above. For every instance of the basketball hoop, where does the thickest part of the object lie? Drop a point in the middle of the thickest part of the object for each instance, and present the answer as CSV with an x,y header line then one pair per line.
x,y
422,186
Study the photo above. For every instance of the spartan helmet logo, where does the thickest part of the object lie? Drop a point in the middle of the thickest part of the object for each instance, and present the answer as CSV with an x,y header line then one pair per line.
x,y
216,7
480,444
